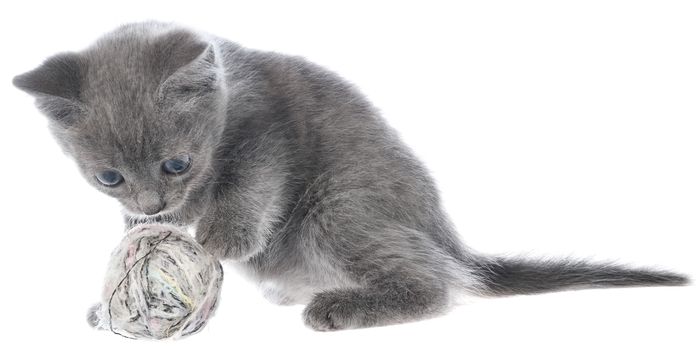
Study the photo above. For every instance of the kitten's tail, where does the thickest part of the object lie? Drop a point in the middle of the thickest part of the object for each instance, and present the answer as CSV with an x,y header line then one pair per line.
x,y
505,276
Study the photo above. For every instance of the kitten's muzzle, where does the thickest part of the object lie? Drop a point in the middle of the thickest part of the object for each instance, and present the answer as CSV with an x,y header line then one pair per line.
x,y
150,202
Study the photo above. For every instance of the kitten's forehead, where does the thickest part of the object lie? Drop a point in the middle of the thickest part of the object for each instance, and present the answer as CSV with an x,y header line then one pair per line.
x,y
134,132
123,66
124,71
105,145
140,56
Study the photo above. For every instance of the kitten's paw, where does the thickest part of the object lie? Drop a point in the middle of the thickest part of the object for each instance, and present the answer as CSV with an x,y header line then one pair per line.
x,y
220,240
337,310
277,297
93,317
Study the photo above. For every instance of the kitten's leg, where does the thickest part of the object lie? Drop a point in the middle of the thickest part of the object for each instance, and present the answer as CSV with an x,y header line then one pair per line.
x,y
226,234
402,275
240,219
395,299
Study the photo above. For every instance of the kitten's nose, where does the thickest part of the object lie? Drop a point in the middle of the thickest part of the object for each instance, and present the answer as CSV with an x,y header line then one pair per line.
x,y
150,202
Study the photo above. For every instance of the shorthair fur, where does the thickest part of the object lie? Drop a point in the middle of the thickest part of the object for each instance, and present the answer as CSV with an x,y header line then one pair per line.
x,y
294,176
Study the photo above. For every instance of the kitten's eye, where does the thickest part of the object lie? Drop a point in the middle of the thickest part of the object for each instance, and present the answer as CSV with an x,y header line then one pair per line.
x,y
109,178
177,165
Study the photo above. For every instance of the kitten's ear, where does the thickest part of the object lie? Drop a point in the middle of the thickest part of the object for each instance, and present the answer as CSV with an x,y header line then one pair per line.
x,y
190,65
56,84
177,49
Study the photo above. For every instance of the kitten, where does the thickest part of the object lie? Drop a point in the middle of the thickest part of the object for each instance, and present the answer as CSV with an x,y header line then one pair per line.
x,y
282,167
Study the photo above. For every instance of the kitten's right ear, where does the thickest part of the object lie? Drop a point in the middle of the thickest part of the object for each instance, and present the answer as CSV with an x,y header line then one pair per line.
x,y
56,84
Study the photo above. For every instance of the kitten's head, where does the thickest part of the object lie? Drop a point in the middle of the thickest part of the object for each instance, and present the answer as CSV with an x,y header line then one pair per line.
x,y
141,112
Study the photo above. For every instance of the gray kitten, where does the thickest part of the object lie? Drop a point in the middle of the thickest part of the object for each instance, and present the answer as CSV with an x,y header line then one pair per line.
x,y
282,167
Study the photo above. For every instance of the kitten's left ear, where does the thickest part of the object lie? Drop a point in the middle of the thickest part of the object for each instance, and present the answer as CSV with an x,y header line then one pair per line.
x,y
190,65
56,84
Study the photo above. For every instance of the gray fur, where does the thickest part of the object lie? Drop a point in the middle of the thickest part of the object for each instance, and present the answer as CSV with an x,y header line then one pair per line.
x,y
295,176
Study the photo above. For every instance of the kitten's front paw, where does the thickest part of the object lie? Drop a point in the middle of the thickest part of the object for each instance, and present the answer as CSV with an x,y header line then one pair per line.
x,y
337,310
223,242
93,317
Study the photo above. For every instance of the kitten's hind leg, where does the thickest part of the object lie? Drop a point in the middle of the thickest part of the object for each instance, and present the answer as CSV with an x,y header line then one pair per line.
x,y
395,299
398,273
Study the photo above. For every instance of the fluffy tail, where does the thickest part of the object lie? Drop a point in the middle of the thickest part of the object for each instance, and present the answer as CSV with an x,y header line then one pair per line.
x,y
505,276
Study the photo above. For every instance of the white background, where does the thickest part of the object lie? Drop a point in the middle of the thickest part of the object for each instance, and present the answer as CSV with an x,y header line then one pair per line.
x,y
552,128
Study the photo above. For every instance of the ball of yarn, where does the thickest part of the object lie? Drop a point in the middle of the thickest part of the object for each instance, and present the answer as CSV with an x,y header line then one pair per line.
x,y
160,284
